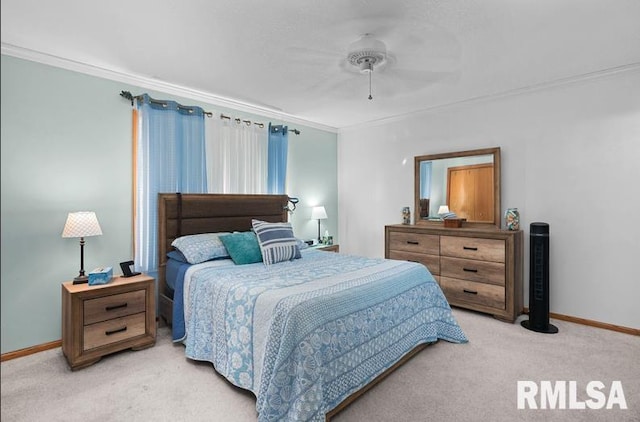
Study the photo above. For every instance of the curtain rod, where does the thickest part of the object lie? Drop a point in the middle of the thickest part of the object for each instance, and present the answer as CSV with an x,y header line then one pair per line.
x,y
130,97
249,122
239,120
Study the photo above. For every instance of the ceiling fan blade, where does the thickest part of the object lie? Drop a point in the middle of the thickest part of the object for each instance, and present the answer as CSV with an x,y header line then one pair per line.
x,y
307,58
410,75
295,51
441,55
399,82
331,82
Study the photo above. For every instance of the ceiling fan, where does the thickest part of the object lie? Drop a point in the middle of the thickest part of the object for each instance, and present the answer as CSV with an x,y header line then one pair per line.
x,y
366,54
419,58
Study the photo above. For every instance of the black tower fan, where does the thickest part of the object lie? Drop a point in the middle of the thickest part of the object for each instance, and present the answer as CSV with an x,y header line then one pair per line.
x,y
539,280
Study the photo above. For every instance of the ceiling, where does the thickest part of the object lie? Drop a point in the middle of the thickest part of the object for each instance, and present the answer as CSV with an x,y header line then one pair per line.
x,y
288,58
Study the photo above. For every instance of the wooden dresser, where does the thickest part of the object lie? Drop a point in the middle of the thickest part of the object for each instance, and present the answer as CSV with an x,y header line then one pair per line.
x,y
102,319
478,268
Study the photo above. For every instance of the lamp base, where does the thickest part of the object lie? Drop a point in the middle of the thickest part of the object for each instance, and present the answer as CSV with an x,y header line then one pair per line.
x,y
81,279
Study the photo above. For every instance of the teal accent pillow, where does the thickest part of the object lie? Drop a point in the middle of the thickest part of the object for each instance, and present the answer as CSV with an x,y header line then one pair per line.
x,y
243,247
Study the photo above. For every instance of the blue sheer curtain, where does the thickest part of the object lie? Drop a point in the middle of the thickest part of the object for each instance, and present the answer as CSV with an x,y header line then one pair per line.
x,y
170,157
277,160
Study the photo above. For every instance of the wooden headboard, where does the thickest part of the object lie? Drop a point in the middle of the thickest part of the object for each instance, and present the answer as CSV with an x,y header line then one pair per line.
x,y
194,213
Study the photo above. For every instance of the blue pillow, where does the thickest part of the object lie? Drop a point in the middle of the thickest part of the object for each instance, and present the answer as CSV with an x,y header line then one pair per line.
x,y
243,247
176,255
277,242
198,248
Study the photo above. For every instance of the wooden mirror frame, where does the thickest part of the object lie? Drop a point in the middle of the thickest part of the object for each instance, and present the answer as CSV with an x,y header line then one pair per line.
x,y
496,181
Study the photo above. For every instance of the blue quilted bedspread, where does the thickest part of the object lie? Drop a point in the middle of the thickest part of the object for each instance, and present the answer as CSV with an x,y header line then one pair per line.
x,y
303,335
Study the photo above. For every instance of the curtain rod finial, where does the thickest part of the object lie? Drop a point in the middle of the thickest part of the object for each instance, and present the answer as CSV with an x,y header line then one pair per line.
x,y
127,95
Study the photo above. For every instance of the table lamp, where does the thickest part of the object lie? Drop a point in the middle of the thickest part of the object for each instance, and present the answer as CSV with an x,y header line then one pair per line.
x,y
81,224
318,213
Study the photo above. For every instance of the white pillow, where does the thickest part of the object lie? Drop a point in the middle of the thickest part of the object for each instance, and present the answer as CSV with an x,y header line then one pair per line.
x,y
198,248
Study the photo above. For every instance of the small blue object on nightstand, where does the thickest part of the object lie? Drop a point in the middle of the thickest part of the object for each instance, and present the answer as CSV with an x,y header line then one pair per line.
x,y
100,276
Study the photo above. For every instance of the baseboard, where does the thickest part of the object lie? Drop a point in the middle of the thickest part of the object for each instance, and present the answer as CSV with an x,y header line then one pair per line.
x,y
34,349
592,323
31,350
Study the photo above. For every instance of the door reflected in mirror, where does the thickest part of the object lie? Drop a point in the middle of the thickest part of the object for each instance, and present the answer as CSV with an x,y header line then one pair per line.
x,y
468,182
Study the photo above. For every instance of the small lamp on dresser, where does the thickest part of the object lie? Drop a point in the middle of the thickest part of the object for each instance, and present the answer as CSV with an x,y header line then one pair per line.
x,y
443,210
81,224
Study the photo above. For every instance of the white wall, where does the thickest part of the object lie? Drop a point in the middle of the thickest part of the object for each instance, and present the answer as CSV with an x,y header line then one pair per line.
x,y
570,158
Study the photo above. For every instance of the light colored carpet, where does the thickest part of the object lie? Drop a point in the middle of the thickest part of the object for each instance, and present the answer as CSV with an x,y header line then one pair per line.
x,y
445,382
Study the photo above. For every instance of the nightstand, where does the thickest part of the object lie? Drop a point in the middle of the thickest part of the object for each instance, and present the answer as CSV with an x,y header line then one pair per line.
x,y
103,319
328,248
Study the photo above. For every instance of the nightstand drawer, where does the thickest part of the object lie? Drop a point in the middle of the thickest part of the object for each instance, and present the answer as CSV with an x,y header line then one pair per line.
x,y
113,306
114,330
472,270
473,248
473,292
414,242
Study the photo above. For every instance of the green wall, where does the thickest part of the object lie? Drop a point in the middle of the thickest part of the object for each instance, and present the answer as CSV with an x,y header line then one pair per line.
x,y
66,146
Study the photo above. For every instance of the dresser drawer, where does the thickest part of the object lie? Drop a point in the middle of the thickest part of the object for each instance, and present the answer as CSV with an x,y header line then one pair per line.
x,y
472,270
473,248
432,262
414,242
114,330
114,306
472,292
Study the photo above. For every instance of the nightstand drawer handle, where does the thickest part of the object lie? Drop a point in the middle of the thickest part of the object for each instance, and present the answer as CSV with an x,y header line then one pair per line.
x,y
470,270
471,292
413,242
114,307
469,248
117,330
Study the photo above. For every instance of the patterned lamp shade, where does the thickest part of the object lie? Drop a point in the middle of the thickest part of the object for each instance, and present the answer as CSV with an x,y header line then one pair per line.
x,y
82,224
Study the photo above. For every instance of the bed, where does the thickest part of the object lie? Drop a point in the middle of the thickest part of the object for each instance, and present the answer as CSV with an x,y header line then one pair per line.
x,y
308,335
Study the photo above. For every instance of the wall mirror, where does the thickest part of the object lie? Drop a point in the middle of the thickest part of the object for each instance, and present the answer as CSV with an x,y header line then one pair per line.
x,y
468,182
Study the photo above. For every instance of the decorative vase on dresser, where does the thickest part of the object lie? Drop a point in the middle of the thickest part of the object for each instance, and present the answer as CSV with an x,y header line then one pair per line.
x,y
478,268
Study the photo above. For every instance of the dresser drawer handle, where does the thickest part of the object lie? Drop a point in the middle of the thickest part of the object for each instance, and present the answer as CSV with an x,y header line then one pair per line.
x,y
413,242
114,307
470,270
469,248
117,330
471,292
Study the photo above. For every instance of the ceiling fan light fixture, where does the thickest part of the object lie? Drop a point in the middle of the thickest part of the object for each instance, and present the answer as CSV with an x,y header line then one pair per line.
x,y
366,53
366,66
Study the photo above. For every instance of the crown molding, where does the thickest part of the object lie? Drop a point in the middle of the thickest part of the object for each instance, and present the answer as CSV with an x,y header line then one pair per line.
x,y
173,89
153,84
510,93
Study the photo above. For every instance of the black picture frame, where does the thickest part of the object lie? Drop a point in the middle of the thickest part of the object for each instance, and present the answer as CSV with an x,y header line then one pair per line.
x,y
127,268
